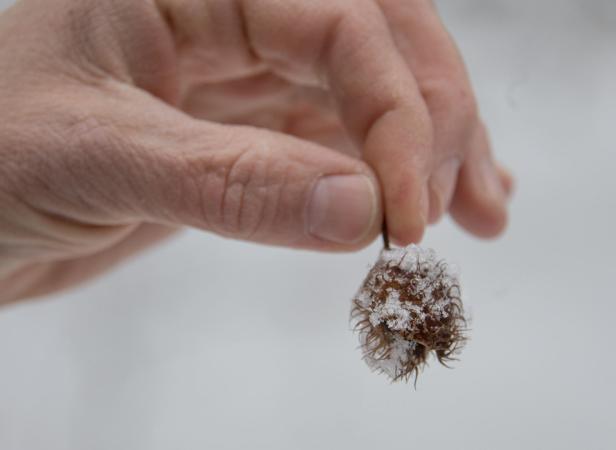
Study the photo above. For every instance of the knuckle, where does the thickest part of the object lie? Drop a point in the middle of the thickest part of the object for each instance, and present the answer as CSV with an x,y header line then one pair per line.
x,y
247,196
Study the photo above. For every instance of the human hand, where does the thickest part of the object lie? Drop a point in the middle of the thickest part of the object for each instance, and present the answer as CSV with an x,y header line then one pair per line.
x,y
286,122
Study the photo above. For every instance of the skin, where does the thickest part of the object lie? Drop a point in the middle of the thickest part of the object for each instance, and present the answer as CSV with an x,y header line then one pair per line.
x,y
122,121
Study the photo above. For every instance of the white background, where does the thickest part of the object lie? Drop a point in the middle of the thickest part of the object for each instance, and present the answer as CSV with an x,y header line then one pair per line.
x,y
209,343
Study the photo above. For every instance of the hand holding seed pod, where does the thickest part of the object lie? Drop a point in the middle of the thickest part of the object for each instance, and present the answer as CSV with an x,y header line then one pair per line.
x,y
408,306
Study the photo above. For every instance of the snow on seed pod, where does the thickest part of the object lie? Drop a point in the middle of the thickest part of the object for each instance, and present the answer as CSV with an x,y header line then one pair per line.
x,y
408,307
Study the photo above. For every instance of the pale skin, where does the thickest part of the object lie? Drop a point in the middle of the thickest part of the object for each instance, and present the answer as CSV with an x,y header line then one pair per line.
x,y
286,122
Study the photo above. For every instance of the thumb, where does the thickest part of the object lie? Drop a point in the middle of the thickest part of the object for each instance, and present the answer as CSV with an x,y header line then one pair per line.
x,y
241,182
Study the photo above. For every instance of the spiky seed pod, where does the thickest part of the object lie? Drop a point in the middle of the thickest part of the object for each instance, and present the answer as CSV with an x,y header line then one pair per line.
x,y
409,306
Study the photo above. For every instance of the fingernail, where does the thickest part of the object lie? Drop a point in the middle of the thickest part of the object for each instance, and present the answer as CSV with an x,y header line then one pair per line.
x,y
491,181
342,208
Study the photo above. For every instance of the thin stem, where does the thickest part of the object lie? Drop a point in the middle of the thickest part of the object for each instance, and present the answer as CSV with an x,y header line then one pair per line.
x,y
385,236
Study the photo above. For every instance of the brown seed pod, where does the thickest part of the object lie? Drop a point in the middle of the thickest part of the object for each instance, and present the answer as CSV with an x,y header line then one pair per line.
x,y
408,306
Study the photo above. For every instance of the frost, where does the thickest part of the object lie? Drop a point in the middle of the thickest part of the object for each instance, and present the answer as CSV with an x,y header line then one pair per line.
x,y
408,306
363,297
393,313
393,364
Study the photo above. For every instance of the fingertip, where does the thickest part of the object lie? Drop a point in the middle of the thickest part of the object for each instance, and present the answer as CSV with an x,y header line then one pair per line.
x,y
406,238
407,214
406,232
480,200
483,221
507,180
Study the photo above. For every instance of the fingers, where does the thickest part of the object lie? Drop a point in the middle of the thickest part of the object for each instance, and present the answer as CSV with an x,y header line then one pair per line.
x,y
435,61
240,182
507,180
442,186
412,129
349,46
479,204
405,100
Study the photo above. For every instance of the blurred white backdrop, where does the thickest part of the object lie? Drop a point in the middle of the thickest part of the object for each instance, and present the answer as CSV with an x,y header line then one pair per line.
x,y
209,343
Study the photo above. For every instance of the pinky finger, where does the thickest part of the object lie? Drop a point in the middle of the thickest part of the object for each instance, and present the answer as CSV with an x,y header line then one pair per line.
x,y
480,201
507,181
